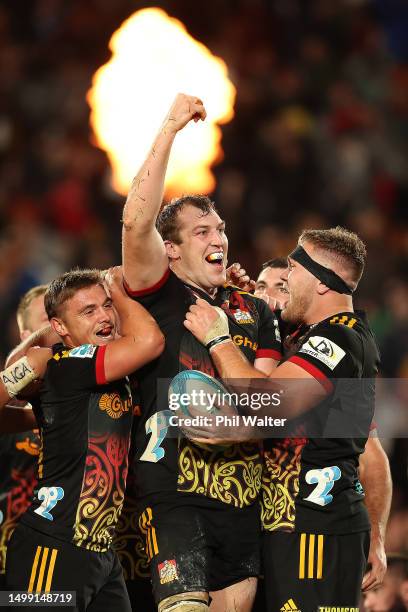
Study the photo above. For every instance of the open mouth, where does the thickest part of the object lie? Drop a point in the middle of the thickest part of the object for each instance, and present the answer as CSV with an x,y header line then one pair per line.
x,y
106,332
215,259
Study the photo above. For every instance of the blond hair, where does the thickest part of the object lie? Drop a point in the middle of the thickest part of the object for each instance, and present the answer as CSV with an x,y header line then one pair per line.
x,y
25,303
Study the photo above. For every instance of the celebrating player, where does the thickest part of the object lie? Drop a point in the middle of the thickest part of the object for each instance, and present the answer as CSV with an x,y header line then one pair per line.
x,y
62,542
322,519
199,507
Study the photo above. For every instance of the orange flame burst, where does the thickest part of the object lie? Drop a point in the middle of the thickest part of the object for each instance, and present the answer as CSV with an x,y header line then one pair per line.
x,y
153,58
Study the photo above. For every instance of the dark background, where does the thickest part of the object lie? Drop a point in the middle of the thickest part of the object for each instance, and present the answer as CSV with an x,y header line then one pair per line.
x,y
319,138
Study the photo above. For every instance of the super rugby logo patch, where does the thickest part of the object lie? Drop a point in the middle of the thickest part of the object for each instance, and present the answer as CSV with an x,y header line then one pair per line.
x,y
326,351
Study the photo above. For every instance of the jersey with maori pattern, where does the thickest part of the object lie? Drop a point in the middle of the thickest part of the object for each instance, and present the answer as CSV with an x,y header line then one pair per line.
x,y
312,484
164,464
85,425
18,478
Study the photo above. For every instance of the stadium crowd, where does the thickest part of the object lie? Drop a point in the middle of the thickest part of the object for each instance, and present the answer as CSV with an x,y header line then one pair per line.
x,y
319,139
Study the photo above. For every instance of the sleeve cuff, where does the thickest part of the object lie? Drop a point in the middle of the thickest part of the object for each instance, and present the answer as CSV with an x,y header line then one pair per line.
x,y
148,290
268,354
100,366
314,371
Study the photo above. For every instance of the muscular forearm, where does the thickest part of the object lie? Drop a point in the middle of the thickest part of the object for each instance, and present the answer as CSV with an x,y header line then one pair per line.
x,y
231,362
21,373
375,477
44,337
146,193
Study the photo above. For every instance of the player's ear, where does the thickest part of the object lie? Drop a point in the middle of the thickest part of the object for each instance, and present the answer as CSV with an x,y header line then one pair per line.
x,y
172,250
58,326
322,288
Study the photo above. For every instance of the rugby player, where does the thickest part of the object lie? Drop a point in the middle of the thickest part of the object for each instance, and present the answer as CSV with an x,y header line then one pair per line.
x,y
199,506
317,555
19,451
63,541
374,468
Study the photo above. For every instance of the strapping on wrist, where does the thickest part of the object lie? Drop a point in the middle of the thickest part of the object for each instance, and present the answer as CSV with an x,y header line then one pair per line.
x,y
216,341
17,376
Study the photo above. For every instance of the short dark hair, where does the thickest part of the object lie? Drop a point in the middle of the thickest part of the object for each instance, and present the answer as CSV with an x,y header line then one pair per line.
x,y
65,287
24,304
340,244
167,224
276,262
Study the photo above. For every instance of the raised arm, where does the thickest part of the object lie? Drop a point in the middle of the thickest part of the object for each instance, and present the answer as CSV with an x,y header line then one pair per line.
x,y
144,254
141,340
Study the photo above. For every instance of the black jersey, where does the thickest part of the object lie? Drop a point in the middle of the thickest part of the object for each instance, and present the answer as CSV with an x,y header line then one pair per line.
x,y
128,541
232,476
312,484
85,425
18,471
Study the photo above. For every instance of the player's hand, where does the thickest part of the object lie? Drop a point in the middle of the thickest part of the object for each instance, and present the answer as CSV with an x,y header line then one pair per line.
x,y
206,322
378,560
183,109
113,281
273,303
236,275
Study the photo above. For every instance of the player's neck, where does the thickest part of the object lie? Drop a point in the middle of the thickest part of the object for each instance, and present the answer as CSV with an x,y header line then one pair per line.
x,y
211,291
340,303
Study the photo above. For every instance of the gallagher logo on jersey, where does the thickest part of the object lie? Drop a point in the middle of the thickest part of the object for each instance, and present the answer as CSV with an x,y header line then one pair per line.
x,y
326,351
114,405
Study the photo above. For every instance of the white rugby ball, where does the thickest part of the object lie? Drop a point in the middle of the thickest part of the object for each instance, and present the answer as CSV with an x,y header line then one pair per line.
x,y
206,394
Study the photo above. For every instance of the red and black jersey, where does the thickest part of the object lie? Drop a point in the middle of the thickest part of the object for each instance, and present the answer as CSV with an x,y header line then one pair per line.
x,y
18,478
168,464
85,425
312,484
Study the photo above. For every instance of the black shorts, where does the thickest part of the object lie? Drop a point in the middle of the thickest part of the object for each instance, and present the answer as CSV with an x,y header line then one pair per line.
x,y
200,546
140,592
38,563
306,571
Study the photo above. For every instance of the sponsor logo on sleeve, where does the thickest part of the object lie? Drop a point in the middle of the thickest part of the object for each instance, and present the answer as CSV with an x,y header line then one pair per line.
x,y
84,351
326,351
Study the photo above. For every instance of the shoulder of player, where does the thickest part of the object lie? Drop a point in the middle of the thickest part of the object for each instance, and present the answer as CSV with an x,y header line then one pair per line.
x,y
343,330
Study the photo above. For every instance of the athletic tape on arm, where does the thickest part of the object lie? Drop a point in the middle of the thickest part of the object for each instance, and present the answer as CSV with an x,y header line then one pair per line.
x,y
17,376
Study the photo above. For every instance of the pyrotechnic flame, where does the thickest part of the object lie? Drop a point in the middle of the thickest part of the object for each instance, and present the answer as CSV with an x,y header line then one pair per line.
x,y
154,58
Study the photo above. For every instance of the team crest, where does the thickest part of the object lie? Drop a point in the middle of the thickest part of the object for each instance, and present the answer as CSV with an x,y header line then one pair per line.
x,y
168,571
114,405
243,317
